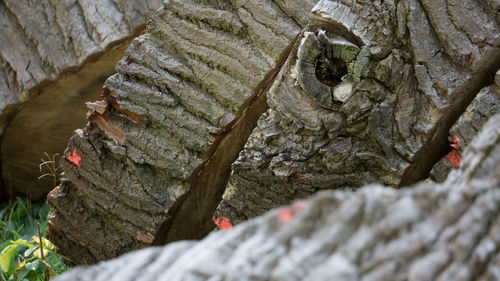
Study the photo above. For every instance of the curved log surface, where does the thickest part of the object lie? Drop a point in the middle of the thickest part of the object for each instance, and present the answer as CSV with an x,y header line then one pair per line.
x,y
424,159
45,123
154,160
44,46
447,231
45,39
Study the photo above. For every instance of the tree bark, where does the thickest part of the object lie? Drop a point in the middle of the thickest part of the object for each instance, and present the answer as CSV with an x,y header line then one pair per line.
x,y
431,231
179,85
299,147
47,72
430,153
350,102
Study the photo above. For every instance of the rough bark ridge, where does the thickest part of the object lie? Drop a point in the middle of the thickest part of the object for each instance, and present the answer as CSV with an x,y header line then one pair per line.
x,y
431,231
418,55
42,41
183,80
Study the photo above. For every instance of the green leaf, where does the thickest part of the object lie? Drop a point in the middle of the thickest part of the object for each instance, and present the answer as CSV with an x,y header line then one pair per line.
x,y
6,256
19,210
33,265
48,245
29,252
43,212
3,212
38,253
22,242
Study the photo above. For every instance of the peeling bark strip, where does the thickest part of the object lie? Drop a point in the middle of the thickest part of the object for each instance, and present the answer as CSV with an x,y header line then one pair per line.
x,y
437,145
101,111
192,218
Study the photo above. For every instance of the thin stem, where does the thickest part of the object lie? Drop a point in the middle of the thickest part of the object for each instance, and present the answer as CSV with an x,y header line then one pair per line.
x,y
40,238
47,276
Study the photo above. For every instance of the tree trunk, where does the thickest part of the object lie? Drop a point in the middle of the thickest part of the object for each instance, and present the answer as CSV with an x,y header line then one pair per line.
x,y
47,52
352,89
431,231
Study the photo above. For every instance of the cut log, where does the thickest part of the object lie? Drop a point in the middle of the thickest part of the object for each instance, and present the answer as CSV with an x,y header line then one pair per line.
x,y
444,232
354,100
180,85
46,73
42,40
299,147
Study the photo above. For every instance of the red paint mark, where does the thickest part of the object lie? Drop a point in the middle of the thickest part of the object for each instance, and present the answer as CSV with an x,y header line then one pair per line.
x,y
223,223
74,158
285,215
454,158
454,155
455,142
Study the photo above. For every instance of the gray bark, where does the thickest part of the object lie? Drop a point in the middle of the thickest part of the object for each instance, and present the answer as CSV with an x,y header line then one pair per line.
x,y
431,231
299,147
44,39
179,84
157,154
47,50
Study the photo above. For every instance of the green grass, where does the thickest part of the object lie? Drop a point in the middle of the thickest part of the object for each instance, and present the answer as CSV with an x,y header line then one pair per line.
x,y
20,255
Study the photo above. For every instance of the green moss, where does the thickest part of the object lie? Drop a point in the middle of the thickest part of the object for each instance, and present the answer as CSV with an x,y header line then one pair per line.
x,y
357,67
345,52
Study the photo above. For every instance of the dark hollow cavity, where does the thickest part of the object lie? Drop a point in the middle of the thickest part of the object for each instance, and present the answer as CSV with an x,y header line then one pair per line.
x,y
329,71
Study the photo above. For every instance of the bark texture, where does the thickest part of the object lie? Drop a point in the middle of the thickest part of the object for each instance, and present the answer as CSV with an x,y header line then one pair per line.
x,y
431,231
44,46
350,102
424,159
44,39
371,135
179,85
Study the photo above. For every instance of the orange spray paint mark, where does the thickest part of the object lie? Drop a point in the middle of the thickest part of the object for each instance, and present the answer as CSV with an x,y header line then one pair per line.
x,y
454,158
74,158
223,223
455,142
454,155
285,215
